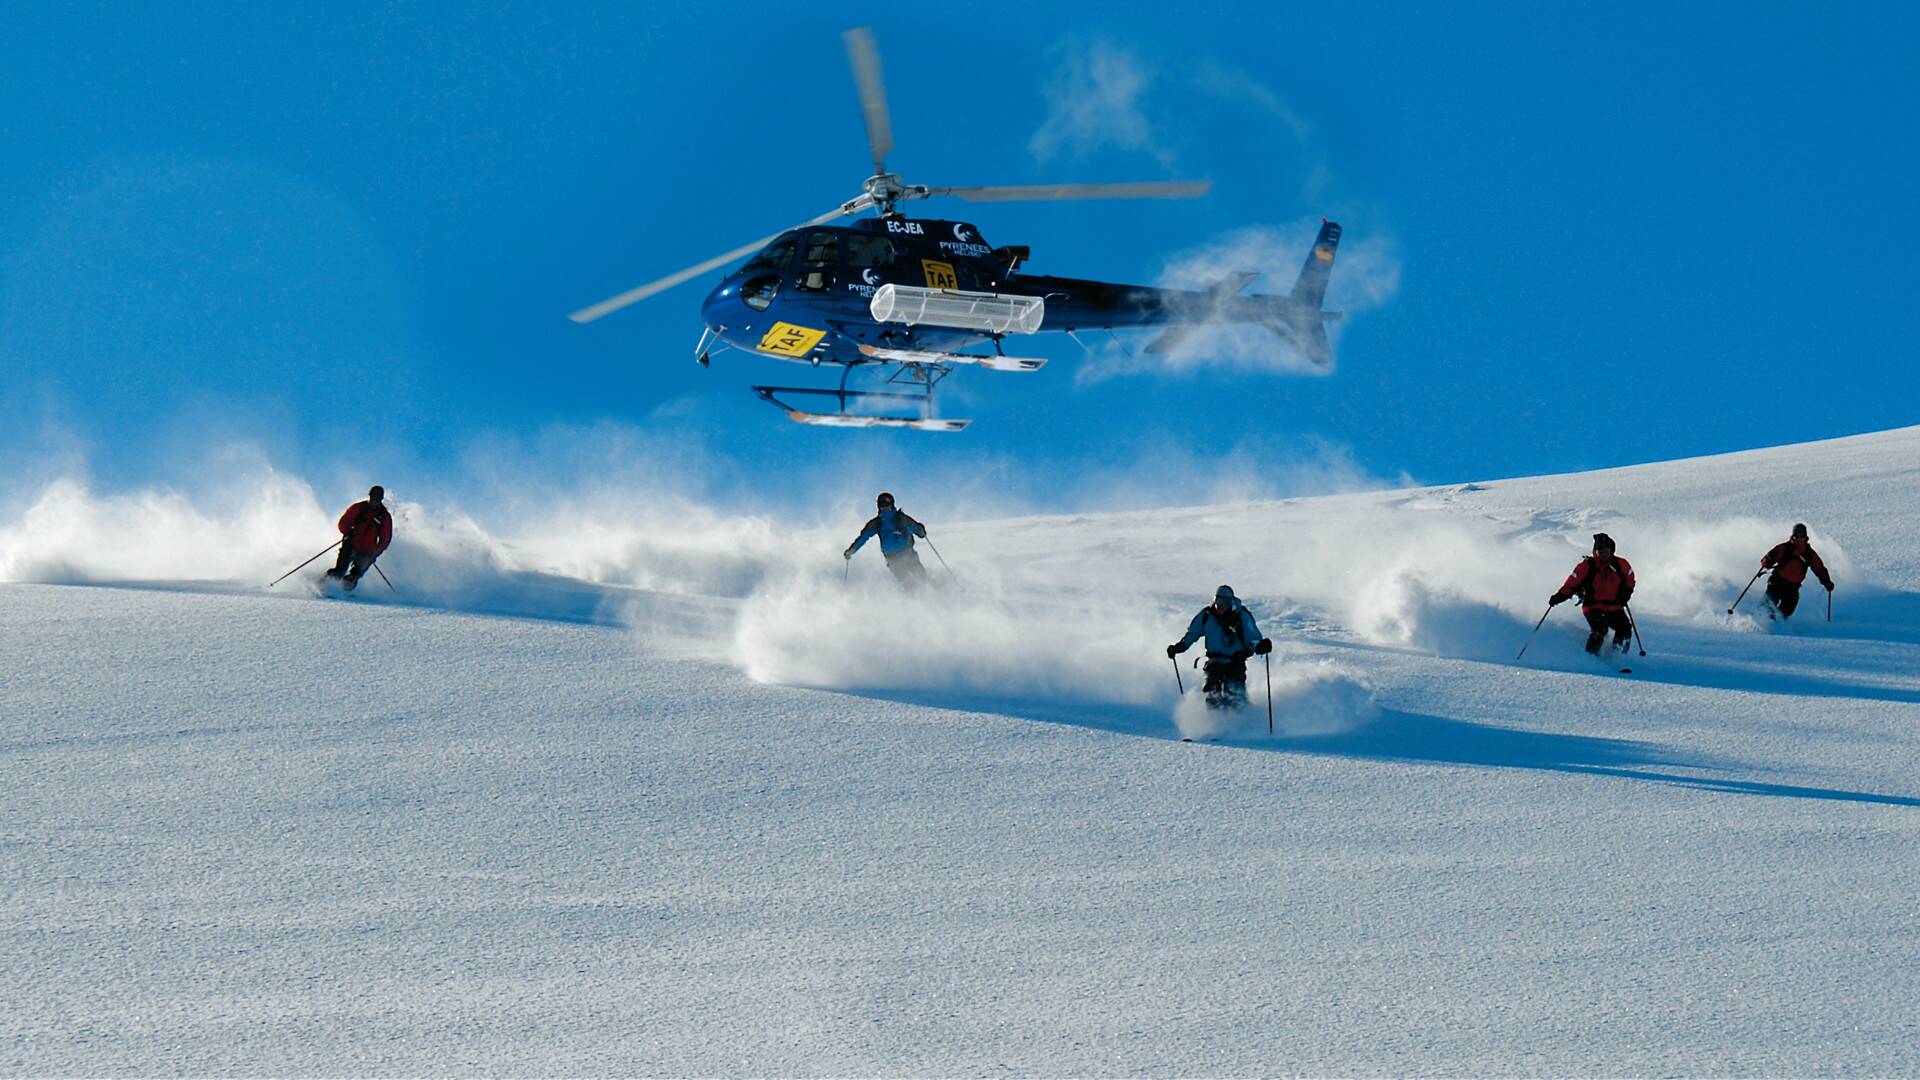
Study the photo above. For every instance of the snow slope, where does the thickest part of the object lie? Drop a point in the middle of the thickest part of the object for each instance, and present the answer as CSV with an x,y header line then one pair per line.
x,y
639,808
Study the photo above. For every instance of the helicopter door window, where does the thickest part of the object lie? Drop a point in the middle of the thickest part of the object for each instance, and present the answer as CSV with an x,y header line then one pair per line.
x,y
817,261
864,252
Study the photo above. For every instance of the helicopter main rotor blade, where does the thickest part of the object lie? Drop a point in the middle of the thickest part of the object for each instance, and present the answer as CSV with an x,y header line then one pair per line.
x,y
1153,189
634,296
865,58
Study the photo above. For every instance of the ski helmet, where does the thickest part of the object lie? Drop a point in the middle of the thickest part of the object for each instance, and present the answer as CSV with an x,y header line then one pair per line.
x,y
1223,593
883,500
376,493
1602,542
1799,532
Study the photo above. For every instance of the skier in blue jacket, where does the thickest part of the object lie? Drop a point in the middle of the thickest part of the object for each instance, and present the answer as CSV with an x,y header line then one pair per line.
x,y
896,532
1232,636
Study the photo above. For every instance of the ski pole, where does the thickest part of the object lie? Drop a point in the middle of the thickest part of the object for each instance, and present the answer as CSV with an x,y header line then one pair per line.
x,y
383,577
1176,675
1743,592
846,571
1635,623
1829,605
943,562
1269,657
1536,630
303,565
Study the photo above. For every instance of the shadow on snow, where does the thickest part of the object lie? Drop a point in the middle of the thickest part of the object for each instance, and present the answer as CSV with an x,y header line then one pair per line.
x,y
1416,738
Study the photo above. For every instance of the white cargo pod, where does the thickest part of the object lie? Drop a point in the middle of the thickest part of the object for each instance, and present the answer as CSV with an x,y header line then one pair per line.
x,y
989,313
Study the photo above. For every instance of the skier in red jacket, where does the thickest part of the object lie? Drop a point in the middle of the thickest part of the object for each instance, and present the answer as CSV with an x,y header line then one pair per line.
x,y
1604,584
1790,562
365,531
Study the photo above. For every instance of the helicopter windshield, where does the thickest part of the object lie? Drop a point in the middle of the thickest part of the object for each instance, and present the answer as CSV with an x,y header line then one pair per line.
x,y
777,254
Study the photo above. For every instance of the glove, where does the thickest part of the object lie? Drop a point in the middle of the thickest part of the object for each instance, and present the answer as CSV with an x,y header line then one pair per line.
x,y
1173,650
1264,647
847,554
1828,584
1556,600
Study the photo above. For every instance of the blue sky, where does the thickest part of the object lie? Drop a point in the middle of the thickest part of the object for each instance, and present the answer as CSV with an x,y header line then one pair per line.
x,y
347,239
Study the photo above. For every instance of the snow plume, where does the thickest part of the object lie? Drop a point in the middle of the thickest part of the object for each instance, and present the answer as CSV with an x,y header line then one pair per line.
x,y
1703,565
992,640
1310,697
1441,571
535,549
1094,102
70,535
1104,98
1167,472
1404,607
1366,274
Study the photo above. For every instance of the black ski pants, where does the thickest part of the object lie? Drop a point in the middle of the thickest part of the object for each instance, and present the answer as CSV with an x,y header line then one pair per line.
x,y
1784,594
907,570
351,564
1226,677
1603,621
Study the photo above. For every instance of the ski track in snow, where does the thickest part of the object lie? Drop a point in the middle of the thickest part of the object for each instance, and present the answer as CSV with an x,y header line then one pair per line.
x,y
598,800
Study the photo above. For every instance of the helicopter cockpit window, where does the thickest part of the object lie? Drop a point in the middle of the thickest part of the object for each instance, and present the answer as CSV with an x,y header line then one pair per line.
x,y
777,254
818,259
869,251
758,293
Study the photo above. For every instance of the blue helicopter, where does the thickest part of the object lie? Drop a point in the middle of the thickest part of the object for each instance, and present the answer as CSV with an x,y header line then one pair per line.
x,y
907,298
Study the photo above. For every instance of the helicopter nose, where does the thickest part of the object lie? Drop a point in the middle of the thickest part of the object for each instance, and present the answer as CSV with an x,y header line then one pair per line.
x,y
720,302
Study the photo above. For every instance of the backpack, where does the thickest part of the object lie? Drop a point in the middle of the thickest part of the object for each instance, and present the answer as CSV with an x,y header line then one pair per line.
x,y
1586,584
1234,626
360,519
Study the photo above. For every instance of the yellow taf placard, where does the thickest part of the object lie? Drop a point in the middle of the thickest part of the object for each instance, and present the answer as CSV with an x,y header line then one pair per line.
x,y
786,339
940,275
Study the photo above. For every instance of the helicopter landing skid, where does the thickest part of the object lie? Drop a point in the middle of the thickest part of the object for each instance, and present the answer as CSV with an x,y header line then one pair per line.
x,y
916,356
843,418
921,378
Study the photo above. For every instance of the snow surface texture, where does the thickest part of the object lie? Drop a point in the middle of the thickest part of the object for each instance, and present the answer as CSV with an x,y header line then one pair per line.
x,y
656,792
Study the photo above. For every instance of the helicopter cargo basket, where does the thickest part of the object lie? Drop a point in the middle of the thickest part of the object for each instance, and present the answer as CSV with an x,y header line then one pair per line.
x,y
990,313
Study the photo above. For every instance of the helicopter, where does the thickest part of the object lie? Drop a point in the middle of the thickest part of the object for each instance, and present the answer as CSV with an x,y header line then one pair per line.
x,y
912,299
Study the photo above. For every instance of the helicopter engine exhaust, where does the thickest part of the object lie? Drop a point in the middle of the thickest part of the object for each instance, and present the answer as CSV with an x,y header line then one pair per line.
x,y
990,313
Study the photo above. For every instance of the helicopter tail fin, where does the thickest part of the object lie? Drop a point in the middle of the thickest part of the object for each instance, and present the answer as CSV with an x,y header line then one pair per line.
x,y
1304,322
1311,287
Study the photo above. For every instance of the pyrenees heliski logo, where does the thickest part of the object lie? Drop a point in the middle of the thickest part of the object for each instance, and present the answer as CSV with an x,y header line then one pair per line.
x,y
961,234
869,276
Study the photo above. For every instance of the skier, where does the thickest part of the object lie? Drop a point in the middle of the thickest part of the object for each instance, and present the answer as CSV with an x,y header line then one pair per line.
x,y
1790,561
365,531
1232,636
1604,584
896,532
